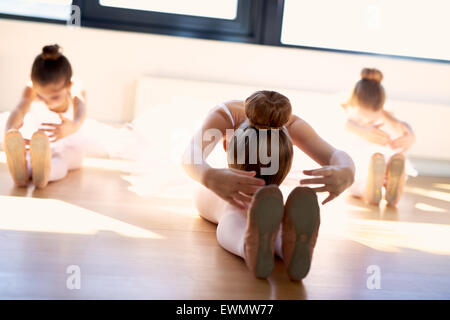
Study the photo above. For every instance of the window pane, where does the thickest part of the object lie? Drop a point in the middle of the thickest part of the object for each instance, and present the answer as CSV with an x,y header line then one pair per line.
x,y
49,9
223,9
416,28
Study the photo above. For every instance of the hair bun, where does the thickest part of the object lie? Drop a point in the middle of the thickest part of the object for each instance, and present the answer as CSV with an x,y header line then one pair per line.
x,y
51,52
267,109
371,74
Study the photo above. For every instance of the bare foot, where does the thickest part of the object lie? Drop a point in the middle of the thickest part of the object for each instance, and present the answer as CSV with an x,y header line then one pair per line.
x,y
375,179
16,157
40,159
395,179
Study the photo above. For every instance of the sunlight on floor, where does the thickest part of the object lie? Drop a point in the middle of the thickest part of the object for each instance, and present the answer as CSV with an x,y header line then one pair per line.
x,y
358,208
428,208
439,195
109,164
445,186
171,189
184,210
99,163
342,218
385,235
161,182
49,215
393,236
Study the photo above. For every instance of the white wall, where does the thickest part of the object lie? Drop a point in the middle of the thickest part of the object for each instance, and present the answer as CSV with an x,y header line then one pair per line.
x,y
157,99
110,62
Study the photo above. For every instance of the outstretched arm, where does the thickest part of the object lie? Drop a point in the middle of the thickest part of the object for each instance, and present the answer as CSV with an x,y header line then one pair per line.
x,y
338,170
407,138
67,126
371,133
234,186
194,159
15,119
79,110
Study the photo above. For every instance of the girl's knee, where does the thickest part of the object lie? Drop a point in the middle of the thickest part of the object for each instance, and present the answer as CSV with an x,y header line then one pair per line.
x,y
73,157
230,232
199,199
232,221
209,205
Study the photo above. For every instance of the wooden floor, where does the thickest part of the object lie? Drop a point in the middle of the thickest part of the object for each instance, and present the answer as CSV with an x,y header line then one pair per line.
x,y
136,239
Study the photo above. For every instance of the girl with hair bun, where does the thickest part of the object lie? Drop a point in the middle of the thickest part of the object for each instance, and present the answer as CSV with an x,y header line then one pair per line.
x,y
378,142
48,119
244,199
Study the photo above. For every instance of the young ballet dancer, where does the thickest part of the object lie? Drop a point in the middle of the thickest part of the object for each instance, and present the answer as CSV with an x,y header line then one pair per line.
x,y
378,142
244,199
47,119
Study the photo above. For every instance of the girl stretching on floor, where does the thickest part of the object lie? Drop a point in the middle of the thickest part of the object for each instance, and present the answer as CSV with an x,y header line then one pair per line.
x,y
245,201
376,137
49,115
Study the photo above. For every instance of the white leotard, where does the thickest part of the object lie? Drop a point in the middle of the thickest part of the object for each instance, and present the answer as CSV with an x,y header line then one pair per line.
x,y
39,113
227,111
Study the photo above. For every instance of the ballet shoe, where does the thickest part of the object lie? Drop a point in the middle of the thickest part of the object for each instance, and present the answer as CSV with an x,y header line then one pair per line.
x,y
16,157
300,229
263,223
40,159
375,179
395,179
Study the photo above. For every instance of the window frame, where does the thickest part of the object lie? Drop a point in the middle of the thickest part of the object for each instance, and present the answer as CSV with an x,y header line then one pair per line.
x,y
241,29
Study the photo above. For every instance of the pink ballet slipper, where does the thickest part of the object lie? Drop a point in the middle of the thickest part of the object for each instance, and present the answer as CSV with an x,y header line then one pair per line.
x,y
16,157
263,222
300,229
40,159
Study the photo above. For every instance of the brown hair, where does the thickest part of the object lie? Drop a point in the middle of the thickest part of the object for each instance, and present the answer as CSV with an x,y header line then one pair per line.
x,y
267,112
368,92
51,66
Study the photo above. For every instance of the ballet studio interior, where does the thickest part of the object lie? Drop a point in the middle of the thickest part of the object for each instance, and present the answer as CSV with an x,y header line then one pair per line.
x,y
100,101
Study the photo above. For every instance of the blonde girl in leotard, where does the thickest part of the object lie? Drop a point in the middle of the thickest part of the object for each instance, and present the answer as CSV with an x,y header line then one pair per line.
x,y
378,142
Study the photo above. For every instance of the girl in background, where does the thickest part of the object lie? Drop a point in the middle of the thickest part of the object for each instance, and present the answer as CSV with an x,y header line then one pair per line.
x,y
246,203
378,142
48,119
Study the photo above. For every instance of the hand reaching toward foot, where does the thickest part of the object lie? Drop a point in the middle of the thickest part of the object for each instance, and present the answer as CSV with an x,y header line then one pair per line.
x,y
335,180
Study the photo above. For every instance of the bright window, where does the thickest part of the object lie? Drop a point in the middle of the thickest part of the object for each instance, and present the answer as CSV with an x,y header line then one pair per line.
x,y
48,9
414,28
222,9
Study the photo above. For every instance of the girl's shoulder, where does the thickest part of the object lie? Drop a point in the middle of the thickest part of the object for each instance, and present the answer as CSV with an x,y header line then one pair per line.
x,y
235,105
235,109
28,93
294,118
77,89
